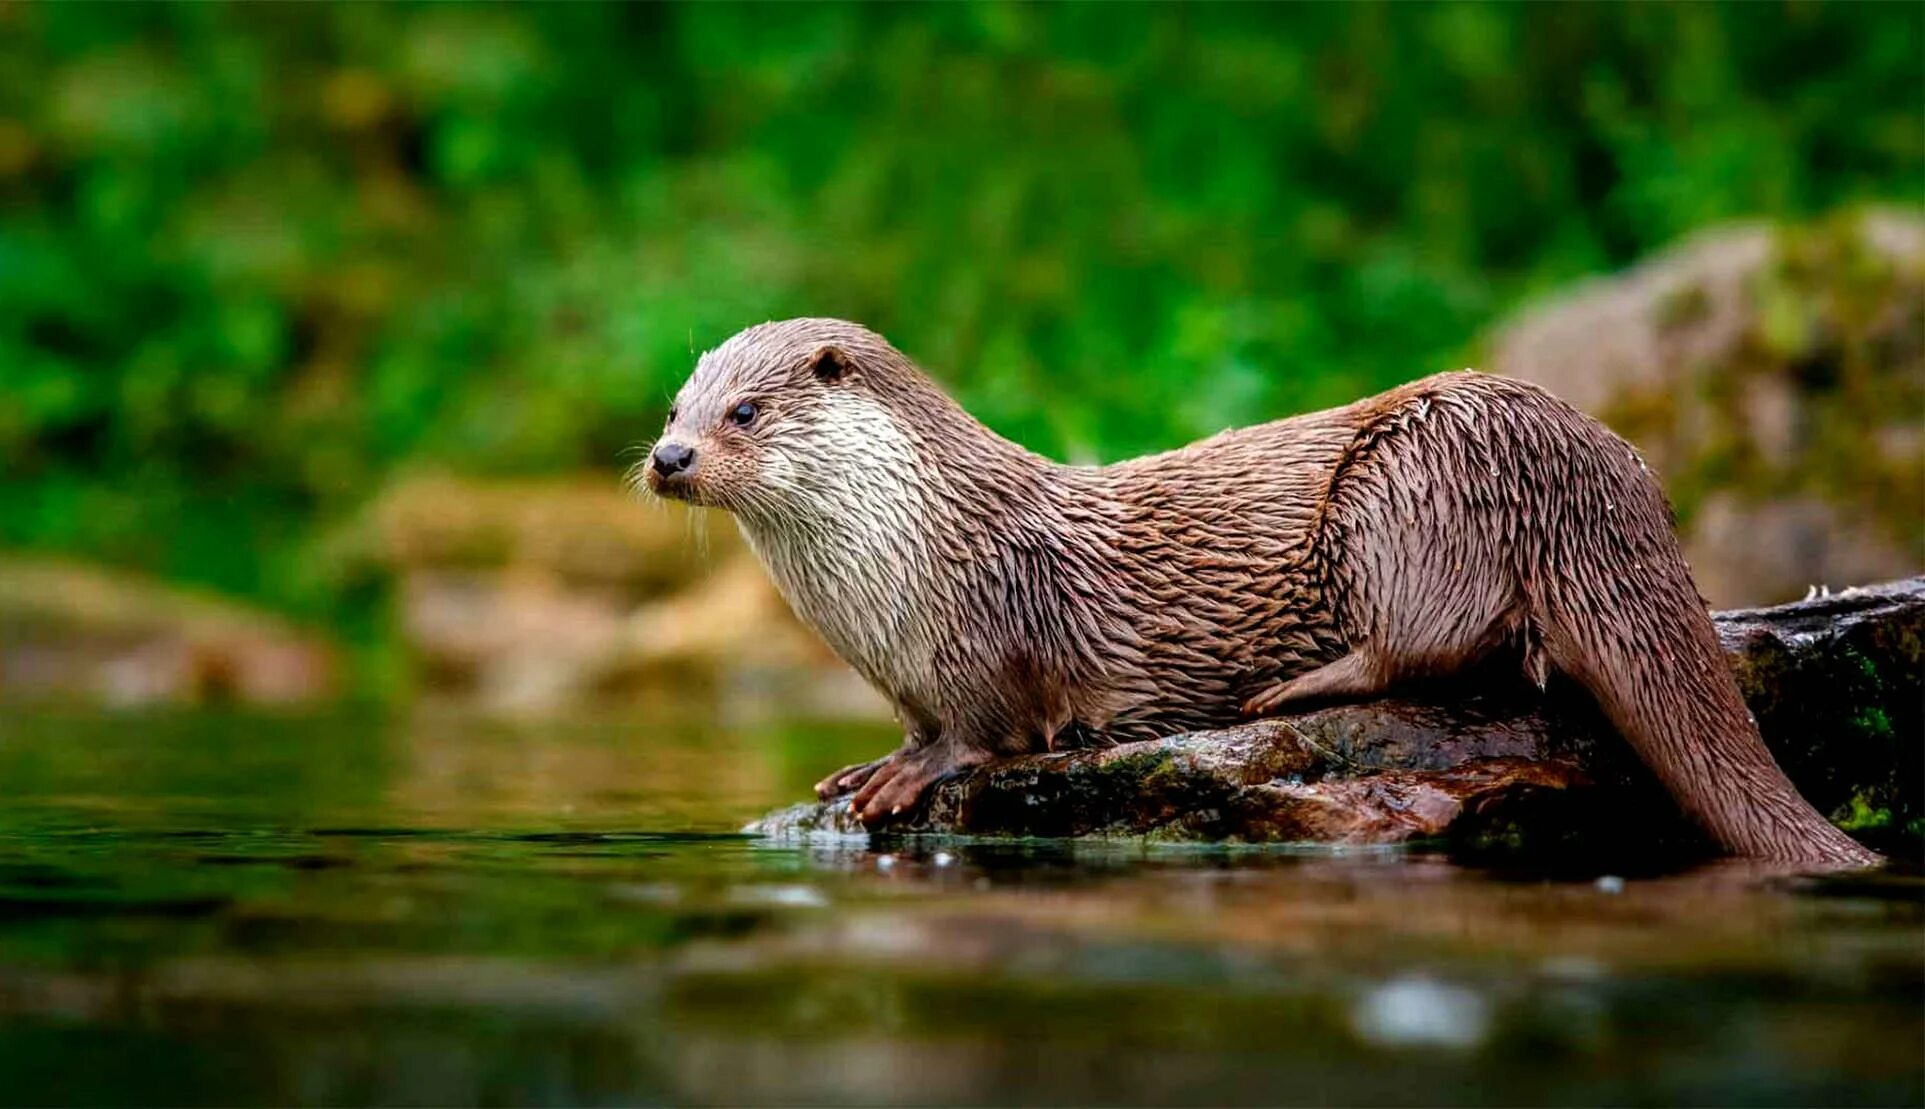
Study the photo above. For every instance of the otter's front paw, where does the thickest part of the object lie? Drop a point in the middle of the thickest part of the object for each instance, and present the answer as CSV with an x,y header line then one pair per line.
x,y
895,787
851,778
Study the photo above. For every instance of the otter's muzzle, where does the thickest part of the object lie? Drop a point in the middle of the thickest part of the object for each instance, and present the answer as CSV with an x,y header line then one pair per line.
x,y
671,459
671,466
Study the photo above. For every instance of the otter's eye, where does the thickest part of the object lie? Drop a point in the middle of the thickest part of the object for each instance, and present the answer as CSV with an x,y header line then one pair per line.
x,y
673,409
742,415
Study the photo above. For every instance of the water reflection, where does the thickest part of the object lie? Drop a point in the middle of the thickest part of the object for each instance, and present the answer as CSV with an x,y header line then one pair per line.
x,y
229,909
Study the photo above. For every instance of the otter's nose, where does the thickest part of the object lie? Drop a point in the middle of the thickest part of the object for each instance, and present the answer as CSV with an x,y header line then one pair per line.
x,y
670,459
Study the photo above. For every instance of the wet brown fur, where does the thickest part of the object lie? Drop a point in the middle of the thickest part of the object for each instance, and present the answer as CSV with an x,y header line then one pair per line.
x,y
1006,603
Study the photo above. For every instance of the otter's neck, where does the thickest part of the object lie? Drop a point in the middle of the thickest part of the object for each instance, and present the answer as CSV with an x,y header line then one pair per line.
x,y
881,529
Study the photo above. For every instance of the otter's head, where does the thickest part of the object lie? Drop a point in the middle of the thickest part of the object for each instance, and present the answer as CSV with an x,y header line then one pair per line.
x,y
785,418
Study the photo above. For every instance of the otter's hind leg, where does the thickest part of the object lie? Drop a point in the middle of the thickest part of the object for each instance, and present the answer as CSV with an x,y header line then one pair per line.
x,y
1354,676
1416,538
1479,510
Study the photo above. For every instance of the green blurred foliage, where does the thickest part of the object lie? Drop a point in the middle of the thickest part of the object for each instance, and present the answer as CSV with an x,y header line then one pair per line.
x,y
254,257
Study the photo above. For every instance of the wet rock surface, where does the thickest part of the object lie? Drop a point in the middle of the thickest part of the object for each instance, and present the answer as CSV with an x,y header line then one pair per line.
x,y
1485,764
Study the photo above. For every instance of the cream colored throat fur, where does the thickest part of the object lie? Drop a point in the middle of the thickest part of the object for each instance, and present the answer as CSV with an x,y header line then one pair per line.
x,y
843,534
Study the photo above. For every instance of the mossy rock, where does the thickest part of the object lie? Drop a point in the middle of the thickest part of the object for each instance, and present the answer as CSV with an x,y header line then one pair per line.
x,y
1835,682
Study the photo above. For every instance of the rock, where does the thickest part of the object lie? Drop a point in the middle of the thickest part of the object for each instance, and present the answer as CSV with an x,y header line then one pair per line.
x,y
587,532
1774,378
1834,680
69,631
733,624
539,596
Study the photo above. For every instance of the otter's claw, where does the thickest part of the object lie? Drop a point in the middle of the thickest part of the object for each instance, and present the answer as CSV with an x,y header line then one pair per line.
x,y
896,788
849,778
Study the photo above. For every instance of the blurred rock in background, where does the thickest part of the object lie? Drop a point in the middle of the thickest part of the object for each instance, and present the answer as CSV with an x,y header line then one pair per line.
x,y
74,632
1775,378
536,596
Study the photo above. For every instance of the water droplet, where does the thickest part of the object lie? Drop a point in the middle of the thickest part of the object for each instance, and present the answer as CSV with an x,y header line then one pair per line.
x,y
1419,1011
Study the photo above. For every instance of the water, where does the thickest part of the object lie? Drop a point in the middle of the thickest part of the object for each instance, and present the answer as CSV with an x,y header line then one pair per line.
x,y
432,910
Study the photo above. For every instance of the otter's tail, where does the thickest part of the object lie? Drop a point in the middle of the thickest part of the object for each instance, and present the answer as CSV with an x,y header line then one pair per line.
x,y
1612,600
1474,509
1639,639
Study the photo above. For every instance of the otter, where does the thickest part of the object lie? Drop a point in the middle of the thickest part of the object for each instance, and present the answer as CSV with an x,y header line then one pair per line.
x,y
1005,603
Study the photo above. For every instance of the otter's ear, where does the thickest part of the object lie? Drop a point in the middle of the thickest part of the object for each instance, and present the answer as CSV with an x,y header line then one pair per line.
x,y
829,364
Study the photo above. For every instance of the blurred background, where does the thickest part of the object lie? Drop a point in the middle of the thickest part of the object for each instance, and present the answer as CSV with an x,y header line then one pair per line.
x,y
326,331
363,740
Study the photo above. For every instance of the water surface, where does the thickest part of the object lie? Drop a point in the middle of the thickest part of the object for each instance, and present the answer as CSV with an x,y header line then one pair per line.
x,y
433,910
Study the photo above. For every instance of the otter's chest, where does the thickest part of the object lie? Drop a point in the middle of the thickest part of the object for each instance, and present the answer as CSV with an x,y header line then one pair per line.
x,y
868,594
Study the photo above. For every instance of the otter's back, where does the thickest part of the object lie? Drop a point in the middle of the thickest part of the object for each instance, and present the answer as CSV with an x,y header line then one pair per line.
x,y
1248,493
1215,538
